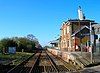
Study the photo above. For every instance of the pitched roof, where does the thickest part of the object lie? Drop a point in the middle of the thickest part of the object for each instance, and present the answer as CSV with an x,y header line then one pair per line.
x,y
80,30
77,20
54,41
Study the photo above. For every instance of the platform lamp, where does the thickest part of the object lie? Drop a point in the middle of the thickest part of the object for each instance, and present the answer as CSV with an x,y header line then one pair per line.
x,y
91,39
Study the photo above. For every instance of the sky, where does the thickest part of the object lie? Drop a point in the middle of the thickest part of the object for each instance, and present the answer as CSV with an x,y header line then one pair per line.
x,y
42,18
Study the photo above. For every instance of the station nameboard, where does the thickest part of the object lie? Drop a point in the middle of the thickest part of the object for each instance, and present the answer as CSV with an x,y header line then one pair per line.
x,y
12,50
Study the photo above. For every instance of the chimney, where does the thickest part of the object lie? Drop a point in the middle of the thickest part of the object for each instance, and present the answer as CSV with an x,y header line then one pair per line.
x,y
80,14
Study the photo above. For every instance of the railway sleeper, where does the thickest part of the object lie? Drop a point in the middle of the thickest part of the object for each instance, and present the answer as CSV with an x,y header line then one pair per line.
x,y
62,68
50,69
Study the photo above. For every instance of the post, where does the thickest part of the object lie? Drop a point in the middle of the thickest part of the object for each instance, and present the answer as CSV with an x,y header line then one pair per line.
x,y
81,48
99,45
80,38
91,42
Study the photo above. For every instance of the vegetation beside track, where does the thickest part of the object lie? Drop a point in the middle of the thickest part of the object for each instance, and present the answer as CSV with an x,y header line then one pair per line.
x,y
17,58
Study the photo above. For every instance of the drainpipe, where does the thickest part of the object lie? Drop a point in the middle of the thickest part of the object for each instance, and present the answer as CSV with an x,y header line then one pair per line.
x,y
80,38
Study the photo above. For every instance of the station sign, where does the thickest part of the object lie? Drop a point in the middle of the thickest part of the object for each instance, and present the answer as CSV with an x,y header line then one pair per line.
x,y
12,50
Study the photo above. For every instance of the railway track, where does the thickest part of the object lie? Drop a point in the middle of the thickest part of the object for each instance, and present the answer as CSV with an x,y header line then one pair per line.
x,y
25,66
11,63
47,63
61,65
43,62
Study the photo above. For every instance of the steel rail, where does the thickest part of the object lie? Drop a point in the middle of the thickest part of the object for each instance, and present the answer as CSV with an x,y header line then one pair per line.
x,y
53,63
35,63
21,65
72,66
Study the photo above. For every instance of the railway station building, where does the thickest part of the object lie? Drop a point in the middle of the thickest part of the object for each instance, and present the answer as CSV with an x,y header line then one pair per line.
x,y
76,34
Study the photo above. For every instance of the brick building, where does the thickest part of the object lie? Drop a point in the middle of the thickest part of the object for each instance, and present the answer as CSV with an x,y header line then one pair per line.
x,y
75,33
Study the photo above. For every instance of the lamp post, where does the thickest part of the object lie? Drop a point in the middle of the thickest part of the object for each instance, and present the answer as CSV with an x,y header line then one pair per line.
x,y
99,45
91,42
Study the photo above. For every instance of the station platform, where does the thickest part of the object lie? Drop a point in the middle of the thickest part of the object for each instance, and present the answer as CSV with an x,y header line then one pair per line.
x,y
77,58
